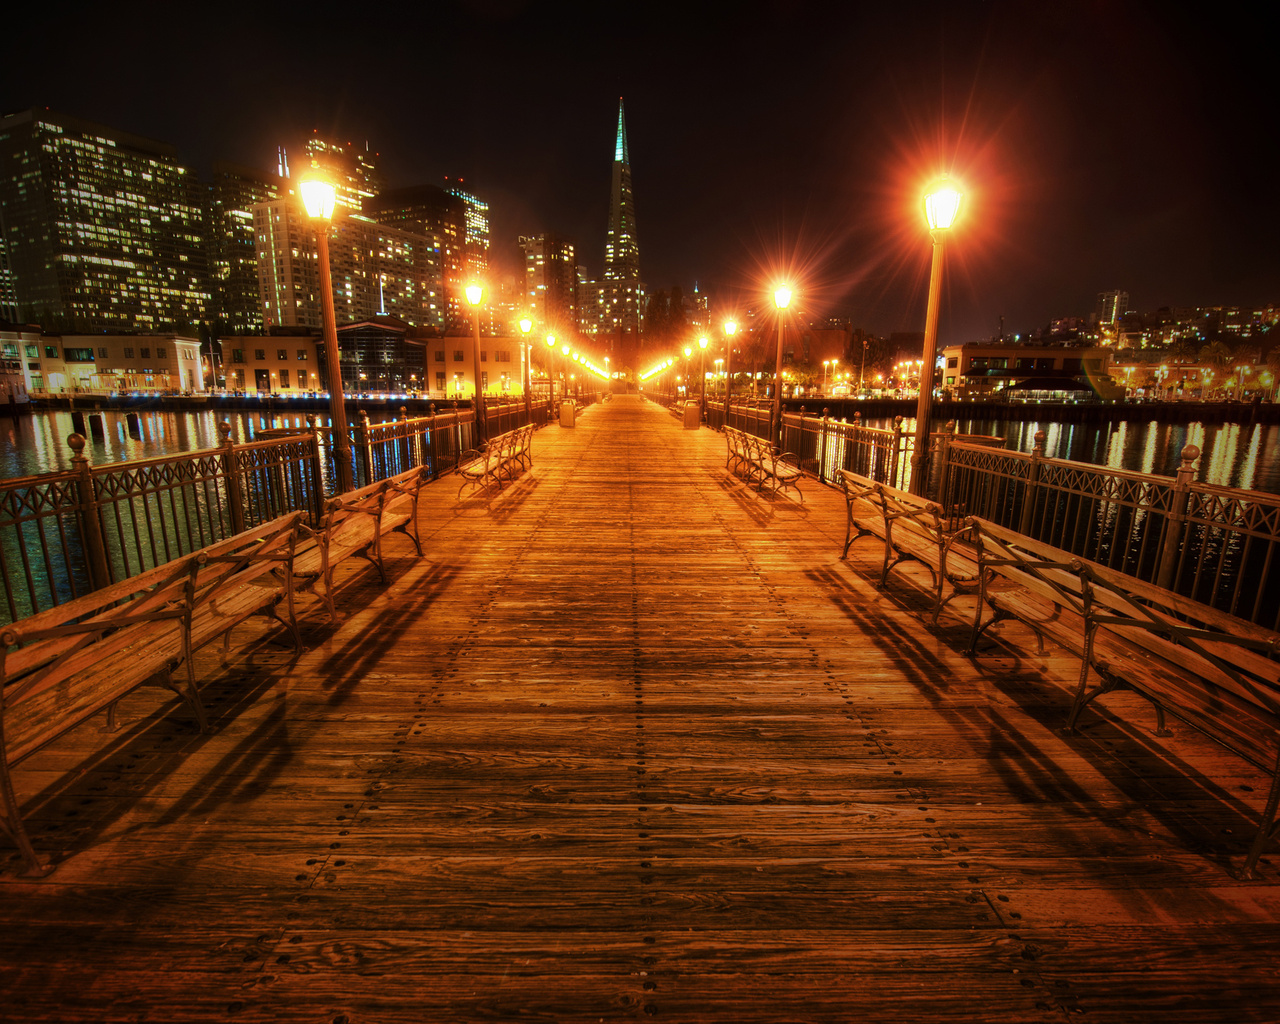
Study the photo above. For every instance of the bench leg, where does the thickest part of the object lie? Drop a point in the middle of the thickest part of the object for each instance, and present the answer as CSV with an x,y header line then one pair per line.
x,y
11,822
1266,827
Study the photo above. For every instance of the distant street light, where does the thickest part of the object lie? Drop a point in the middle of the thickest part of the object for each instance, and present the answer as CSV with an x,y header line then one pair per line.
x,y
526,325
781,299
730,329
551,380
475,294
702,374
319,198
941,205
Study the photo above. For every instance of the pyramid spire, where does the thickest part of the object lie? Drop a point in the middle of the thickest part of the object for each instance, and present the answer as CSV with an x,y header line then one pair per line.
x,y
620,147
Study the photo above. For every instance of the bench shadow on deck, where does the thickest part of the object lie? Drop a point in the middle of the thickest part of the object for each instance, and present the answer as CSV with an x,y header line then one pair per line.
x,y
631,741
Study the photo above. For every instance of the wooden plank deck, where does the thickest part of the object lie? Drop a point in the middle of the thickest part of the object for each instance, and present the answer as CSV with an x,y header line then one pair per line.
x,y
632,742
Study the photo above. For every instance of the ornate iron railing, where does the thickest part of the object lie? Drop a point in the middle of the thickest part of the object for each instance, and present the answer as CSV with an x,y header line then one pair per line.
x,y
67,533
1216,545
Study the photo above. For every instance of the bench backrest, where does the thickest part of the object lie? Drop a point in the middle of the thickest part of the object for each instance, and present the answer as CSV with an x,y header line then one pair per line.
x,y
1238,656
46,686
1047,572
248,557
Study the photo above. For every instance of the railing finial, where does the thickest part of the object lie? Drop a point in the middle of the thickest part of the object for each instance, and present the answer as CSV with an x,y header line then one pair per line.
x,y
76,443
224,428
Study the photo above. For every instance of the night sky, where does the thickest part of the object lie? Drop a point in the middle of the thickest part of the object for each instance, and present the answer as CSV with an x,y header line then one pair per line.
x,y
1102,145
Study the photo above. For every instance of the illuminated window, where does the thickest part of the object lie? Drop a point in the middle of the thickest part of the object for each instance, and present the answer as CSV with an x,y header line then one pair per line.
x,y
302,358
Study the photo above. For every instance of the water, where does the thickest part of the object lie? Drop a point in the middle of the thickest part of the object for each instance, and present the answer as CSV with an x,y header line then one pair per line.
x,y
38,443
1234,455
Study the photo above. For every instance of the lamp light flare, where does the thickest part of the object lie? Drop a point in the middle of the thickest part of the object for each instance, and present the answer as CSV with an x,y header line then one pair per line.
x,y
319,197
474,294
526,325
942,204
730,327
782,297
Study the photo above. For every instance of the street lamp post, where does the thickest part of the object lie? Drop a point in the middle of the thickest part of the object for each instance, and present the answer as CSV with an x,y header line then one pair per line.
x,y
730,329
319,198
475,293
526,325
941,204
688,354
781,299
862,370
702,373
551,379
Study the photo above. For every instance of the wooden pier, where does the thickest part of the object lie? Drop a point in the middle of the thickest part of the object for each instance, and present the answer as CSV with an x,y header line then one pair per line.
x,y
632,742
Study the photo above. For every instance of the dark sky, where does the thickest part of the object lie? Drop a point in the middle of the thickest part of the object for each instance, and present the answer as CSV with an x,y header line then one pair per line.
x,y
1102,145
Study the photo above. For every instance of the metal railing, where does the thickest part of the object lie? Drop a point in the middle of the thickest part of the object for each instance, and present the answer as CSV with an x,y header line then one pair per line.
x,y
66,533
1217,545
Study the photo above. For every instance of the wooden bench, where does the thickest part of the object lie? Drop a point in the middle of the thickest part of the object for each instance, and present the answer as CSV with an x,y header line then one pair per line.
x,y
912,530
356,523
1213,671
62,666
757,462
503,457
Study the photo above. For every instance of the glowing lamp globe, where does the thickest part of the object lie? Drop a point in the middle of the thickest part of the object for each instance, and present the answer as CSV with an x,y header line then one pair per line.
x,y
551,341
782,297
942,204
319,197
474,294
526,325
730,327
702,343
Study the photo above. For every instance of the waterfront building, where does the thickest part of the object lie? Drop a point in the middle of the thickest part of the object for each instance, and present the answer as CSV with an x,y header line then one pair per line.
x,y
19,358
113,362
284,362
550,281
976,369
376,269
102,230
233,261
622,298
450,366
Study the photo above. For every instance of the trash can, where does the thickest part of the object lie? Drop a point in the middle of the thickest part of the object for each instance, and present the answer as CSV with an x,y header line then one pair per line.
x,y
692,416
567,412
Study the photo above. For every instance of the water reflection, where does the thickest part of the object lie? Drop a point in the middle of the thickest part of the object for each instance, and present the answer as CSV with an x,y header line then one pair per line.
x,y
1233,454
38,443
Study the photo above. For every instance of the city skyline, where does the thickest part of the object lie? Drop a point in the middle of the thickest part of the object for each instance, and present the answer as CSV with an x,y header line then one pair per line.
x,y
1092,161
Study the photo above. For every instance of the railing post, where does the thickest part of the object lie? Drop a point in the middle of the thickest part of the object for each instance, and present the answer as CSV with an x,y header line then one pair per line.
x,y
1175,531
1033,480
230,473
317,479
91,525
822,447
366,453
896,459
944,465
406,455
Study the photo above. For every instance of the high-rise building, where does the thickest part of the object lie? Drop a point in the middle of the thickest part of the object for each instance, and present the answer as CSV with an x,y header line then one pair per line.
x,y
375,269
441,218
1112,306
476,243
622,301
353,171
550,280
233,261
102,230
